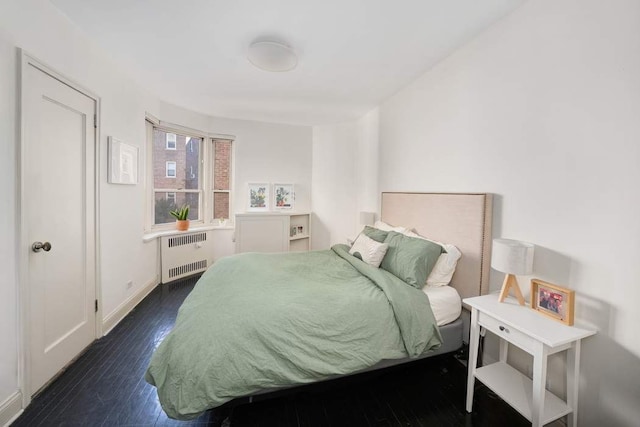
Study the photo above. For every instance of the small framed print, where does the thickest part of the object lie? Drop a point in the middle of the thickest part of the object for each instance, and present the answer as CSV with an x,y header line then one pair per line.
x,y
553,301
283,196
123,162
258,195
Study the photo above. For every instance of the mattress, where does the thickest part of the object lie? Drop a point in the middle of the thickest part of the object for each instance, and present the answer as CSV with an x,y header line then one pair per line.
x,y
445,303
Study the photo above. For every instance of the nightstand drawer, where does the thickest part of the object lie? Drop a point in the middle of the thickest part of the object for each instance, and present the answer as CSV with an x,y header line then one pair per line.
x,y
508,333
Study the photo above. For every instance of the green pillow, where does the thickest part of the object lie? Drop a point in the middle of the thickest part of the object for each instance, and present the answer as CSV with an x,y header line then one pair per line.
x,y
375,234
409,258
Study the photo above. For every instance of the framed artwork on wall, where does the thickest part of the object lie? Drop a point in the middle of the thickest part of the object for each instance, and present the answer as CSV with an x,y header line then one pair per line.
x,y
123,162
258,197
283,196
553,301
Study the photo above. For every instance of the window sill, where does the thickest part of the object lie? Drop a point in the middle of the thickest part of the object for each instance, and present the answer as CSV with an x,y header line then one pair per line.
x,y
153,235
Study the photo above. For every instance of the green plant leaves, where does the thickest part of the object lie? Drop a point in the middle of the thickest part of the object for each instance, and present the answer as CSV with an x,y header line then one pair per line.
x,y
181,214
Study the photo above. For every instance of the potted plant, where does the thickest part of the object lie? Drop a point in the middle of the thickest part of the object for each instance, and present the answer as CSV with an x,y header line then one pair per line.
x,y
181,215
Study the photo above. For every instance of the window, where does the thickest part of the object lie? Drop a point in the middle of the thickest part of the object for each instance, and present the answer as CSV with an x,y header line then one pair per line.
x,y
170,168
221,178
175,186
172,141
196,172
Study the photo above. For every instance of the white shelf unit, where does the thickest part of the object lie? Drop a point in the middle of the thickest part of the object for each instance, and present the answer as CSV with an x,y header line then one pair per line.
x,y
273,232
301,240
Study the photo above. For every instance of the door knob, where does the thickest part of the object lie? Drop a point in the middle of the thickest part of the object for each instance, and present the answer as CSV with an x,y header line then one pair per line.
x,y
38,246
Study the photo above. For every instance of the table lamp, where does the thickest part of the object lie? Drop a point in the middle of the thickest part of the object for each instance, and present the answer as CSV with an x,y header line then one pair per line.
x,y
512,257
367,218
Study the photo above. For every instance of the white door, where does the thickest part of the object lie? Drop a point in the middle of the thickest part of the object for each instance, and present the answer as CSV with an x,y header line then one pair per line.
x,y
58,190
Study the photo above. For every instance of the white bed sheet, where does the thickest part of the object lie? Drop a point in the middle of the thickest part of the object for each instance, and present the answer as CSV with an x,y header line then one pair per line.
x,y
445,303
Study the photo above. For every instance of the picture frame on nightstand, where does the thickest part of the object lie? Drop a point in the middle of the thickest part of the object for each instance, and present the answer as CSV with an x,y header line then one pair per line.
x,y
553,301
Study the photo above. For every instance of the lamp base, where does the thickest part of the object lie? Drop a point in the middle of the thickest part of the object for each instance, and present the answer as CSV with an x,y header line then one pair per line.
x,y
510,282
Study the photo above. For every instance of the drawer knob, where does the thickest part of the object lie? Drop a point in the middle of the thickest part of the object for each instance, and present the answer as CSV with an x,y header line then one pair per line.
x,y
503,329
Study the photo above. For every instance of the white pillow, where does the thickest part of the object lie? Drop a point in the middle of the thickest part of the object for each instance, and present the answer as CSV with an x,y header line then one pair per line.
x,y
386,227
370,251
445,265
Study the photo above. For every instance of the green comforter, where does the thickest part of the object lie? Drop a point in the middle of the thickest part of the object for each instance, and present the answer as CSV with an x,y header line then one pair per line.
x,y
262,321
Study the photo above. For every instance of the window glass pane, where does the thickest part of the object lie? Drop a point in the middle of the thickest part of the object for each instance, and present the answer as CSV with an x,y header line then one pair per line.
x,y
222,165
170,169
185,159
220,205
193,200
171,141
163,205
166,202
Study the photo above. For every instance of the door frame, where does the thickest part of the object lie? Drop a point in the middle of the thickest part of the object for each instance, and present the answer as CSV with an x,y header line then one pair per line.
x,y
23,321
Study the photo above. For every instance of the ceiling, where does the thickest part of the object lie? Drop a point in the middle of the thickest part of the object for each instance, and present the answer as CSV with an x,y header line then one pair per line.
x,y
353,54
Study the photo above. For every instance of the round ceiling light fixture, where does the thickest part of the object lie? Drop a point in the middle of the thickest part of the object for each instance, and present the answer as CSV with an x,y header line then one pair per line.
x,y
272,56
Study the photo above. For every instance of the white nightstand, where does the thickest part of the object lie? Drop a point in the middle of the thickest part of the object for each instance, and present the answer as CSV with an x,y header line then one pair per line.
x,y
538,336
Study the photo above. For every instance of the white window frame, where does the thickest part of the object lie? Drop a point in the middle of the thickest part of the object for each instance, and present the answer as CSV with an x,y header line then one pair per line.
x,y
167,168
212,177
170,141
171,195
206,190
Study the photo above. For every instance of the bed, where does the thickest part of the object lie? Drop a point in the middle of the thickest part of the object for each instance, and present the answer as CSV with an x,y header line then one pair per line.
x,y
257,323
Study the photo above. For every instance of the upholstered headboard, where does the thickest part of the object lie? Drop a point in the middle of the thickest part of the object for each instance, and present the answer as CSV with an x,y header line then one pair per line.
x,y
463,220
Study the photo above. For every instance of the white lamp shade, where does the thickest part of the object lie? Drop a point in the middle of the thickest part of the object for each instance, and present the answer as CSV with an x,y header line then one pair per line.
x,y
512,256
367,218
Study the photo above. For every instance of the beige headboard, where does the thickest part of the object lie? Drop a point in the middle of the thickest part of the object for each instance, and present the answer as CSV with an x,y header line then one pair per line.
x,y
463,220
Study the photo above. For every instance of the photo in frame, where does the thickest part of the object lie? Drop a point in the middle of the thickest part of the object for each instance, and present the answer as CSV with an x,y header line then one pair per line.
x,y
123,163
283,195
258,197
553,301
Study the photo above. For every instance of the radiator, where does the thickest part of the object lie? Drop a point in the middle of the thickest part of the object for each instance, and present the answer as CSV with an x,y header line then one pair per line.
x,y
186,254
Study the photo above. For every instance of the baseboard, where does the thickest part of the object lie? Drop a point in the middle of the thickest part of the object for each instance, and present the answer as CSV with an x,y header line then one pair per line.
x,y
112,319
10,409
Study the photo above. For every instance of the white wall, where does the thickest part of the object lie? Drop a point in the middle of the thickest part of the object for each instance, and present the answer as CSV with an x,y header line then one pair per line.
x,y
543,110
8,278
345,178
334,185
366,162
264,152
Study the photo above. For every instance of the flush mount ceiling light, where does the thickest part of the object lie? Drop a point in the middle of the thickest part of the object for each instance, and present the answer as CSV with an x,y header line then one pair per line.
x,y
272,56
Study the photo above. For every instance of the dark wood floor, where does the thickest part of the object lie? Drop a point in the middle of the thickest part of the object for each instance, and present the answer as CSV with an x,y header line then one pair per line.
x,y
106,387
